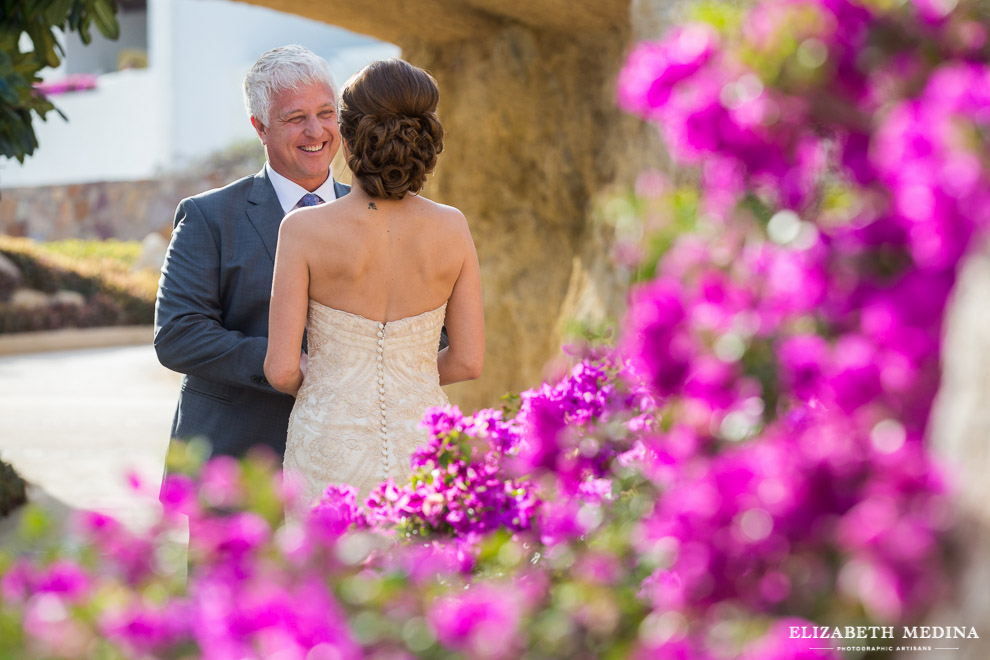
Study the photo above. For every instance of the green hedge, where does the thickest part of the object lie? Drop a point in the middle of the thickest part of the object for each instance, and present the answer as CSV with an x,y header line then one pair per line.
x,y
99,270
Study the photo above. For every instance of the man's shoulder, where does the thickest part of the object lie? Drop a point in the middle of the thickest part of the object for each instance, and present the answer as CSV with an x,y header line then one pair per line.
x,y
234,190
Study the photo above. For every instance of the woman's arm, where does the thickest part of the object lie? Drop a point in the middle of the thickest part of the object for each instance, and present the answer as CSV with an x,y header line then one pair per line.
x,y
289,306
464,358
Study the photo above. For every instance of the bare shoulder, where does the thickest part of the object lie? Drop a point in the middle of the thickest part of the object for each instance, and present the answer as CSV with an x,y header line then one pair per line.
x,y
308,221
450,218
295,232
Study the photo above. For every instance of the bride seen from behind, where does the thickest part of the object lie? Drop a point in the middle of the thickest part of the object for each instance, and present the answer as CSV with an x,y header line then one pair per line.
x,y
372,277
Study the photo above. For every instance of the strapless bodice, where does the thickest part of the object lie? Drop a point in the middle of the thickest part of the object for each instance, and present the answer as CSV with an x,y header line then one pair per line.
x,y
327,324
368,383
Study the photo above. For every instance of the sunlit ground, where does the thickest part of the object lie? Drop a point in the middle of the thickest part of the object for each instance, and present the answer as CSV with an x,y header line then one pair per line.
x,y
75,423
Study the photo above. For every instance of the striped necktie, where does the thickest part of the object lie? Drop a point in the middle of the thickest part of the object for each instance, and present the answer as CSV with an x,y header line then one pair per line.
x,y
309,199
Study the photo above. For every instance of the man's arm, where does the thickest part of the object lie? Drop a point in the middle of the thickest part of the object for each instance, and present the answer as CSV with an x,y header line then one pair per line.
x,y
189,335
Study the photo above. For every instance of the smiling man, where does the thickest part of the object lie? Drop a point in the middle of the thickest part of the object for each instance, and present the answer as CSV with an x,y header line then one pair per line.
x,y
211,316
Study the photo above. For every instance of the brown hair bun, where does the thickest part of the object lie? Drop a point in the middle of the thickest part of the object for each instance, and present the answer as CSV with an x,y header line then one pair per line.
x,y
388,119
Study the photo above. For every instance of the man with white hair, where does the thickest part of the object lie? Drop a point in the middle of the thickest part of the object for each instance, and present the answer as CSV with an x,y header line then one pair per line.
x,y
211,315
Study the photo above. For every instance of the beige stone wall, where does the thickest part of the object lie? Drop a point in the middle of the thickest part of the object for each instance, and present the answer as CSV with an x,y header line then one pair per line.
x,y
125,210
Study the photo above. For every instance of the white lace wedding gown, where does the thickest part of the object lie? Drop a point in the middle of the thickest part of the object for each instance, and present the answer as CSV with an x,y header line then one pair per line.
x,y
356,417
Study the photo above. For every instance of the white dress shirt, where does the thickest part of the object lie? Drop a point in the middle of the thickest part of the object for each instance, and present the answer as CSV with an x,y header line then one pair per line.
x,y
289,192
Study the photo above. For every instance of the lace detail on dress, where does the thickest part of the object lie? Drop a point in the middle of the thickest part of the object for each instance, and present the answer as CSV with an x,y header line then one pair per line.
x,y
356,416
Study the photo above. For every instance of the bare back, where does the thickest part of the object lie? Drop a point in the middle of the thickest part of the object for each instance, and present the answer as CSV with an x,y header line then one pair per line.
x,y
384,259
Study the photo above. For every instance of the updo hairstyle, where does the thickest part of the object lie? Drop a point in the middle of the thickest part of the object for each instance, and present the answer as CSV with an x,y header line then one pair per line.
x,y
389,121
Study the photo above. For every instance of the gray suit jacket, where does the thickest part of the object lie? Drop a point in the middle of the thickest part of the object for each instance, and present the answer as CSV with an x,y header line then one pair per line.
x,y
211,316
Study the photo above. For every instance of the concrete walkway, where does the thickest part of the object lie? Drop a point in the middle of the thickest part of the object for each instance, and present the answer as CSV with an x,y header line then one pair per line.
x,y
75,423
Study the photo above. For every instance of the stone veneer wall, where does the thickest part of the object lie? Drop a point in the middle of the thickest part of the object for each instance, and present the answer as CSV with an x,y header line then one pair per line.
x,y
128,210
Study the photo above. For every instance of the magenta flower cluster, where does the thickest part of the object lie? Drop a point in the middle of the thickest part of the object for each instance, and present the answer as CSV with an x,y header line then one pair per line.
x,y
73,82
458,487
496,470
796,351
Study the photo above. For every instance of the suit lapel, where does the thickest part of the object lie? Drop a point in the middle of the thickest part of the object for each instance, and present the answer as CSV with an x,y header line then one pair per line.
x,y
340,189
264,211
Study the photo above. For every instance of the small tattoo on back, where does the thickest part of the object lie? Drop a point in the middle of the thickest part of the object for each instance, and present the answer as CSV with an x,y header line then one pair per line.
x,y
371,205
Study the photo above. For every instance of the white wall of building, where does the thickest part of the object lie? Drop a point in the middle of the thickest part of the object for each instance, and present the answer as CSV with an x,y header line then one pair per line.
x,y
141,123
111,135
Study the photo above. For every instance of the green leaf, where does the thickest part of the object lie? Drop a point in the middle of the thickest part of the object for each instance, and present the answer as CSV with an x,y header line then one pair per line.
x,y
106,19
83,28
6,92
75,16
44,42
58,11
19,70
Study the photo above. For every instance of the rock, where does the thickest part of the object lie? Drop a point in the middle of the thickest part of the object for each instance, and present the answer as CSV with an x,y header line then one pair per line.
x,y
10,277
13,490
152,254
66,297
8,269
29,298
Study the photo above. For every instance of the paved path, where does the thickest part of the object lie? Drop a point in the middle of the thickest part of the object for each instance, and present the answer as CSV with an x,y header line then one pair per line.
x,y
76,422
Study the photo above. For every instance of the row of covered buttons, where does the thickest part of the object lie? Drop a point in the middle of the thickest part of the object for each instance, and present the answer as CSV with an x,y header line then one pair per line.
x,y
381,395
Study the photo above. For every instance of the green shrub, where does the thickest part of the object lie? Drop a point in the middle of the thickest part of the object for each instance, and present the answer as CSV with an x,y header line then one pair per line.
x,y
99,270
112,249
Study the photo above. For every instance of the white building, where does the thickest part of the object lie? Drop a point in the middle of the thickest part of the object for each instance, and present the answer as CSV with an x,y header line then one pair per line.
x,y
142,122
